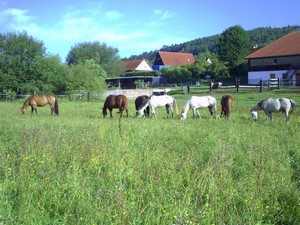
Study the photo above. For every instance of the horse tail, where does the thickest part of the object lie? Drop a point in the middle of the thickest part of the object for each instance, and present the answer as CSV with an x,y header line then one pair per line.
x,y
293,105
56,106
175,106
227,106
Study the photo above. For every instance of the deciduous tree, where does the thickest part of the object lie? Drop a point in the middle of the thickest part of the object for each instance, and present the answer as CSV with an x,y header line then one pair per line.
x,y
233,46
106,57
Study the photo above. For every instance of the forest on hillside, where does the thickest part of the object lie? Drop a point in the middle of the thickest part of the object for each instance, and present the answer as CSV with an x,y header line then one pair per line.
x,y
260,37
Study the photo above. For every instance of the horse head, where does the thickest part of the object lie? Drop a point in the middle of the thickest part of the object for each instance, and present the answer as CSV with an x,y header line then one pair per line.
x,y
23,110
104,112
183,116
254,115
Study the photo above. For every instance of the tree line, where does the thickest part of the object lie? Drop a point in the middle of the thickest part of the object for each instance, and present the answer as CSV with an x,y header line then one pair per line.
x,y
26,67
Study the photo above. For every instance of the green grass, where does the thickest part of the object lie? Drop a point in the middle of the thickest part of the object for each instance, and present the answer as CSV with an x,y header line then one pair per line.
x,y
78,168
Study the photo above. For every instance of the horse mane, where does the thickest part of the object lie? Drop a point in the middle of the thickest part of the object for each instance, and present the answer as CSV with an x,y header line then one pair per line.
x,y
186,106
293,105
26,103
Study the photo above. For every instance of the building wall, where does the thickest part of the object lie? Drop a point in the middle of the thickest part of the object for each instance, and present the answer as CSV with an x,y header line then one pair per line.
x,y
255,76
143,66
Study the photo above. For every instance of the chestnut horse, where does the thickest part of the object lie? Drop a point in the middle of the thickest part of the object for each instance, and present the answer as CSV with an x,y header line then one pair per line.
x,y
39,101
226,105
139,102
115,101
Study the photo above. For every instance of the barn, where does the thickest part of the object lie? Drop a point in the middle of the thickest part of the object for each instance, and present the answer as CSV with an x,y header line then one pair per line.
x,y
280,59
169,59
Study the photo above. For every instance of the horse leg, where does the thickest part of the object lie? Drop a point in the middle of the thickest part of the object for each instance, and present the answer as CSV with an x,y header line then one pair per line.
x,y
153,112
271,116
268,116
110,112
287,116
52,110
194,112
172,111
168,110
33,109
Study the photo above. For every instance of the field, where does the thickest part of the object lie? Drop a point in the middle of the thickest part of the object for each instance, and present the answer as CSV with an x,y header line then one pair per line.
x,y
78,168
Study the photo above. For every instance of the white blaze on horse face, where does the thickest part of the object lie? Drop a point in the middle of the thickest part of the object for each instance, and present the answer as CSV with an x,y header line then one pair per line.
x,y
254,115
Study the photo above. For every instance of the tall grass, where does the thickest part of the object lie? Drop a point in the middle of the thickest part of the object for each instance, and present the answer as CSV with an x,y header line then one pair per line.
x,y
77,168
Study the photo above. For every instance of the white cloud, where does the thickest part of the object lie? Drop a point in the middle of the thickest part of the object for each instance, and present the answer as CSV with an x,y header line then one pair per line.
x,y
162,14
15,18
113,15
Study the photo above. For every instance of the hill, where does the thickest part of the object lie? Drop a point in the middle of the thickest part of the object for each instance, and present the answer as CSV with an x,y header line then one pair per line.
x,y
259,36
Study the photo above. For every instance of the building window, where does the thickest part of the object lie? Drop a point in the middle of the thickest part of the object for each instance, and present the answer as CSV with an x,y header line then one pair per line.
x,y
274,61
272,76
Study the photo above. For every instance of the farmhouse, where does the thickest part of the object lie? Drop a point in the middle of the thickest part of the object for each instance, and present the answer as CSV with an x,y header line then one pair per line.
x,y
136,65
280,59
169,59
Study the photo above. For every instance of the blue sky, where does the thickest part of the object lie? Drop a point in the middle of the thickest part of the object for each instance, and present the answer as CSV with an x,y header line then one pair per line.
x,y
136,26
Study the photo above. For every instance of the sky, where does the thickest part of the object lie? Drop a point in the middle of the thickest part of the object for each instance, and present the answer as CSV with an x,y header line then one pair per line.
x,y
137,26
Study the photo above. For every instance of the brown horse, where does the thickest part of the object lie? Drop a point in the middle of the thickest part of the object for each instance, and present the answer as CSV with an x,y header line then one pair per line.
x,y
139,102
226,105
39,101
115,101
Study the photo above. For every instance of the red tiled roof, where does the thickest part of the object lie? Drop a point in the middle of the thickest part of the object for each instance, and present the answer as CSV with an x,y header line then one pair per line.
x,y
284,46
176,58
132,64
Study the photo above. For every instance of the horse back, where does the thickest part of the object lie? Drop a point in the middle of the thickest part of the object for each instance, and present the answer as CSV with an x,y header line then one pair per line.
x,y
121,101
40,100
109,102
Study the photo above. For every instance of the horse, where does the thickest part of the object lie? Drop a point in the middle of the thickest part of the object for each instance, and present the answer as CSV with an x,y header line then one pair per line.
x,y
226,105
159,101
196,102
115,101
39,101
271,105
139,101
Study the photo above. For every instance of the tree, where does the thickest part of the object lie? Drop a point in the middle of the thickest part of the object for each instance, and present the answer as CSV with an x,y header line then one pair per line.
x,y
176,74
26,68
19,55
86,76
106,57
233,46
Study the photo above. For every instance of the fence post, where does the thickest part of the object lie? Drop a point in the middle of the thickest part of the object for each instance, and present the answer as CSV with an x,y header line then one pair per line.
x,y
237,84
210,86
260,85
278,80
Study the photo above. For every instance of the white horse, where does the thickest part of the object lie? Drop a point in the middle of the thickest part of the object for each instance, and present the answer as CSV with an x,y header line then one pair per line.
x,y
271,105
159,101
196,102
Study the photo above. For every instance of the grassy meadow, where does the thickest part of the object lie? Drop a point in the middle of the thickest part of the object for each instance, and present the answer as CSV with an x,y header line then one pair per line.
x,y
78,168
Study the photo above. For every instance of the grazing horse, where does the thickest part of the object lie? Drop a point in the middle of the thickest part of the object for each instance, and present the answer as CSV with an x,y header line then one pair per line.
x,y
39,101
226,105
139,101
196,102
115,101
271,105
160,101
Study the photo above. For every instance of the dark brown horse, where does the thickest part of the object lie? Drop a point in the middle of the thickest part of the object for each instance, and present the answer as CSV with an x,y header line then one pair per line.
x,y
226,105
39,101
115,101
139,102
